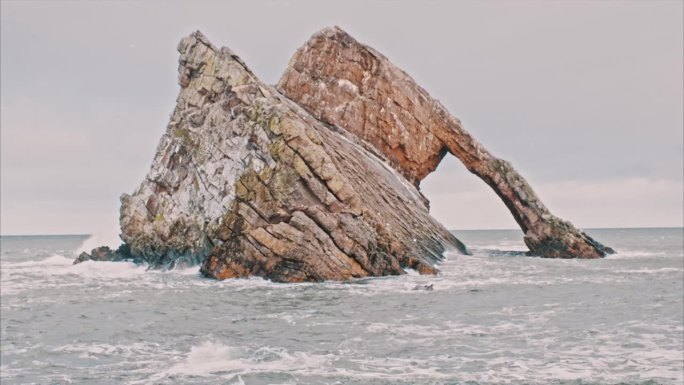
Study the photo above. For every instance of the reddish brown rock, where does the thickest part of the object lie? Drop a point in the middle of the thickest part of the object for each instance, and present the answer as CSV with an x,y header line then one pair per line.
x,y
347,84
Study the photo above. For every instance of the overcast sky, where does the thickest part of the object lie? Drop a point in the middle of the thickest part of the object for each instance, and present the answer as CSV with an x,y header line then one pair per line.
x,y
584,98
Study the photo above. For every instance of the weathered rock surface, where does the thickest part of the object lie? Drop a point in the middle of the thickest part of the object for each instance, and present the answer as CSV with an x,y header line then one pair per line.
x,y
319,184
248,183
347,84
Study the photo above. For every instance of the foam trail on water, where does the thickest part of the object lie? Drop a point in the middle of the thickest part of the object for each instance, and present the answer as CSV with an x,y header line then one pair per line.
x,y
635,254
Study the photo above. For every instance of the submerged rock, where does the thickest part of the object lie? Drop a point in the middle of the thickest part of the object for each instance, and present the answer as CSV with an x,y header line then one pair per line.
x,y
248,183
347,84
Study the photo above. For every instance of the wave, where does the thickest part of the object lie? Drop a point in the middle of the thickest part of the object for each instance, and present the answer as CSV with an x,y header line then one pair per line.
x,y
107,270
650,271
633,254
458,272
54,260
502,246
59,271
547,357
102,350
58,264
209,358
106,237
216,359
61,265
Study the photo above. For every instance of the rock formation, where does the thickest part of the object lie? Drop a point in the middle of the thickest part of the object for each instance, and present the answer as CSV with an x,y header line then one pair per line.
x,y
248,183
349,85
314,180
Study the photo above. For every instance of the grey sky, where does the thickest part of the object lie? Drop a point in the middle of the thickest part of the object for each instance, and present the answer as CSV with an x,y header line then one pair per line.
x,y
584,98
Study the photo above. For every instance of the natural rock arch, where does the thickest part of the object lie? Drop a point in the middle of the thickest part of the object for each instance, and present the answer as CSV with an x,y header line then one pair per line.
x,y
345,83
314,180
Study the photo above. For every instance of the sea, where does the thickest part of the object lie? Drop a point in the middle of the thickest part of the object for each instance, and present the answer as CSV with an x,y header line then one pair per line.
x,y
493,317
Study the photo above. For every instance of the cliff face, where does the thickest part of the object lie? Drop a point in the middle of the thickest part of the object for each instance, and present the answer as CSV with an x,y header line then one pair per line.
x,y
347,84
248,183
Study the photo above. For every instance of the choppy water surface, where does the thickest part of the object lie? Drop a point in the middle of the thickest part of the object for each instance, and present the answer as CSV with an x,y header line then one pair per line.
x,y
492,317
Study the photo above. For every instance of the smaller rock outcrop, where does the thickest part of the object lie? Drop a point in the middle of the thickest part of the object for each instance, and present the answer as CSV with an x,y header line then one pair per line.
x,y
105,254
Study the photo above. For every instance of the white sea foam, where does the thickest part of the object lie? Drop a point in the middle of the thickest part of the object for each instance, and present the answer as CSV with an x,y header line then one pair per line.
x,y
490,318
105,237
650,271
54,260
207,358
98,351
411,271
187,271
502,246
211,357
631,254
56,270
104,270
61,265
459,272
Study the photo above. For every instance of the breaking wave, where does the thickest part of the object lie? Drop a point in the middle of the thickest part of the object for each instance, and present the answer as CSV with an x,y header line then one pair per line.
x,y
106,237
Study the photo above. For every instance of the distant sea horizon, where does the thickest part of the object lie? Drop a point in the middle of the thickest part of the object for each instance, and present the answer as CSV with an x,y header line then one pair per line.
x,y
452,230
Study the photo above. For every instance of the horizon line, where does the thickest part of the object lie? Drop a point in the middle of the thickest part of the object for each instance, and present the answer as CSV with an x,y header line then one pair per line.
x,y
489,229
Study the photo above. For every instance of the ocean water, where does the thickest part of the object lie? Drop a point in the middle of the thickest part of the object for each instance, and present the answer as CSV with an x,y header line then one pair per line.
x,y
494,317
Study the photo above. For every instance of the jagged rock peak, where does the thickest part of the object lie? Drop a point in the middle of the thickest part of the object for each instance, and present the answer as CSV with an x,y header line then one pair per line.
x,y
248,183
350,85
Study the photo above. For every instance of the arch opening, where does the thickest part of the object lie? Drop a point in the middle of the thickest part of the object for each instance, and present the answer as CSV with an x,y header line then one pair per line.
x,y
462,201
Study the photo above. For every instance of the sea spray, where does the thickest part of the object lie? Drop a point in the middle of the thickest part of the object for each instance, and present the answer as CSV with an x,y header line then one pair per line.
x,y
105,237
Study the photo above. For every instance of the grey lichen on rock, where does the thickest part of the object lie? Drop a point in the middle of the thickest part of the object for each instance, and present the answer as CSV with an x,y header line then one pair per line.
x,y
248,183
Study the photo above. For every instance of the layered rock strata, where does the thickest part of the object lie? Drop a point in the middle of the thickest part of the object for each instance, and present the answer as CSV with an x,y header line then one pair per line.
x,y
350,85
314,180
248,183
